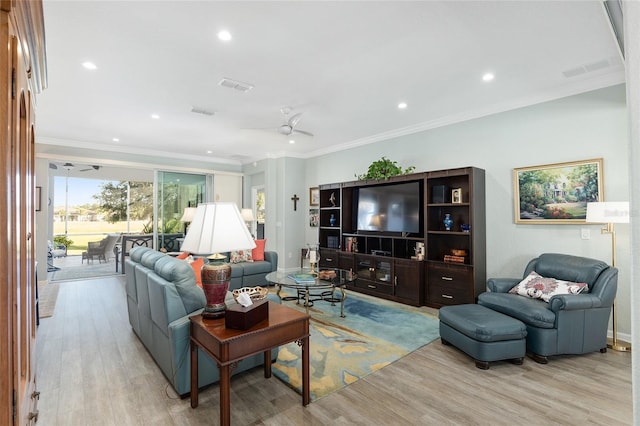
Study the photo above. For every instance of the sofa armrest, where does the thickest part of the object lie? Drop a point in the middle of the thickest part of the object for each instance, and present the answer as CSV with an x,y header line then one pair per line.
x,y
272,258
573,302
501,285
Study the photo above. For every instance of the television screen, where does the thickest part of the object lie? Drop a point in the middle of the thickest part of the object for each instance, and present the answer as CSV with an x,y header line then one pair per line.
x,y
389,208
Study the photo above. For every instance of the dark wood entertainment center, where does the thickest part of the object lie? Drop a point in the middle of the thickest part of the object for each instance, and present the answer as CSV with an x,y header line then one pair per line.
x,y
387,263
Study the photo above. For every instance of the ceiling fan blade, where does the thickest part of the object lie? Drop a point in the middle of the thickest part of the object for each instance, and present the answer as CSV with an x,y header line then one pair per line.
x,y
294,119
53,166
302,132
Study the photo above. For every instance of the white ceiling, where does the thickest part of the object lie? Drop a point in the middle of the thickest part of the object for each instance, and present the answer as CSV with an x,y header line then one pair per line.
x,y
345,65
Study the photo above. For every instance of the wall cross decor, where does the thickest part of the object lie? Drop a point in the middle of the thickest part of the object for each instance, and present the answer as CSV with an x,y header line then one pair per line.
x,y
295,199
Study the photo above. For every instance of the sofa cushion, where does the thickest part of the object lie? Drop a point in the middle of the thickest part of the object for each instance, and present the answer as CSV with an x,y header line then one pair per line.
x,y
181,275
256,268
532,312
536,286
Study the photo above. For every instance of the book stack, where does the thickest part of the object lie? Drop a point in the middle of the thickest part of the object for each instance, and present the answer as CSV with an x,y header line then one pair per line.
x,y
333,242
449,258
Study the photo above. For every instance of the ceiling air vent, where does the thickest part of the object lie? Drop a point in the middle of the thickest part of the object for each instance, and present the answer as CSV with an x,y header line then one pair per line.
x,y
202,111
235,84
593,66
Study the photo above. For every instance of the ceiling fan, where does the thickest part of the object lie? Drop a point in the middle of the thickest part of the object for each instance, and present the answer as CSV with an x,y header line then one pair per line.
x,y
69,166
289,126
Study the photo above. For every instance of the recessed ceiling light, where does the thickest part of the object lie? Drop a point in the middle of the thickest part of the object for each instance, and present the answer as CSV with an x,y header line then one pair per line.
x,y
209,152
89,65
402,105
291,141
116,139
488,77
224,35
155,116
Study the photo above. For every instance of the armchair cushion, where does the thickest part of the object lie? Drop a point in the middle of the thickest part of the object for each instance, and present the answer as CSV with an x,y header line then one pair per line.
x,y
539,287
530,311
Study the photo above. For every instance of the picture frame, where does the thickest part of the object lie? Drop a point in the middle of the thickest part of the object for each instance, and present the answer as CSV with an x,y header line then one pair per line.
x,y
38,198
456,196
557,193
314,218
314,196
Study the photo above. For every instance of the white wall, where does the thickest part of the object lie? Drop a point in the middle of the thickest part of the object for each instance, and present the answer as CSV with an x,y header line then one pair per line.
x,y
586,126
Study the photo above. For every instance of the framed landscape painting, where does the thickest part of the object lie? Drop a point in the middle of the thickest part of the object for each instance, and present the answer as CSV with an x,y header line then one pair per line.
x,y
557,193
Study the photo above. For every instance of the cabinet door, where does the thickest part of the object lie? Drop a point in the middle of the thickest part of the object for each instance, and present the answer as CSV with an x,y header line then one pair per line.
x,y
408,280
364,268
346,261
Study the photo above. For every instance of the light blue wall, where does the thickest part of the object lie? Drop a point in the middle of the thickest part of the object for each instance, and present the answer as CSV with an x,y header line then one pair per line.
x,y
586,126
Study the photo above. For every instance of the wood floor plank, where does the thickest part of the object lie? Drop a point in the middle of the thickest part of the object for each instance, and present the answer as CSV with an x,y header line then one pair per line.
x,y
93,370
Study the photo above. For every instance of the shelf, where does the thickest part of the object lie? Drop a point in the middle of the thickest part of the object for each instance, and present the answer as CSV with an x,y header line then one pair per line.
x,y
449,233
448,205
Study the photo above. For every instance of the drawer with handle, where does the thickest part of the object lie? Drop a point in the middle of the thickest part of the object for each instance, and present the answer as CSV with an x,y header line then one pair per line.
x,y
374,286
449,285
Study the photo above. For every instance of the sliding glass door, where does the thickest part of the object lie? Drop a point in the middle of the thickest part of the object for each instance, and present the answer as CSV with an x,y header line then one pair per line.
x,y
176,191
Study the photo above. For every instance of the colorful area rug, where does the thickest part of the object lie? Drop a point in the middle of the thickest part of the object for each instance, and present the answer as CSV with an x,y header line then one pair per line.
x,y
374,334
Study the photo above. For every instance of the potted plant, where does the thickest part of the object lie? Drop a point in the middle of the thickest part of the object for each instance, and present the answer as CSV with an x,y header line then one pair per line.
x,y
384,169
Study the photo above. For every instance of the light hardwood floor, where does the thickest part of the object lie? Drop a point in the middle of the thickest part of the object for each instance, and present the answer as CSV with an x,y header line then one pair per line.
x,y
92,370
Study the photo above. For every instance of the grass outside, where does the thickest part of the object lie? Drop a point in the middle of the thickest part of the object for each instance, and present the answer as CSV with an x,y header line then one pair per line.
x,y
83,232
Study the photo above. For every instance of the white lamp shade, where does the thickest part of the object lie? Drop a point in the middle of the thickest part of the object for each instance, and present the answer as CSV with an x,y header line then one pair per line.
x,y
247,215
217,228
608,212
189,213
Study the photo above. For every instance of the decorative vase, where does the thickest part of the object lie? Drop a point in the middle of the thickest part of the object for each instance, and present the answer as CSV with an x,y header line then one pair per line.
x,y
448,222
216,277
332,220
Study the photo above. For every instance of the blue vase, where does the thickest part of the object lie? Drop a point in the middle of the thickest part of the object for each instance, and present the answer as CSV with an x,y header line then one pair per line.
x,y
332,220
448,222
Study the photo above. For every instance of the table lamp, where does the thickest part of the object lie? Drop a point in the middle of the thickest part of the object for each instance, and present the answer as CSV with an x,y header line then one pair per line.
x,y
216,228
247,216
187,217
611,212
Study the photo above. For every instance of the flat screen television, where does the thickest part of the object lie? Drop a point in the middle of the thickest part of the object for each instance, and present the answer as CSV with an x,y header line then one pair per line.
x,y
390,208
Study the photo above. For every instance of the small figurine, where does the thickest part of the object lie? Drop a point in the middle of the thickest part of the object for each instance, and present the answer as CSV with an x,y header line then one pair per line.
x,y
332,199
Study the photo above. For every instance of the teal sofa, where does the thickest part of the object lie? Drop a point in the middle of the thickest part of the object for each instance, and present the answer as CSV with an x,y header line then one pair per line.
x,y
161,296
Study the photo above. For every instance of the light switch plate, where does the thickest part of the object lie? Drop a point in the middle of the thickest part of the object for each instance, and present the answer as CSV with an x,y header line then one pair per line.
x,y
585,233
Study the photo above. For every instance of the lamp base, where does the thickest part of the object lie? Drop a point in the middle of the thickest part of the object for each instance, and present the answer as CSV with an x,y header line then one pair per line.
x,y
619,345
216,277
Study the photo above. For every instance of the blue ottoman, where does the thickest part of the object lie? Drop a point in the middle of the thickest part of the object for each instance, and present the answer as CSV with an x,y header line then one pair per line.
x,y
483,334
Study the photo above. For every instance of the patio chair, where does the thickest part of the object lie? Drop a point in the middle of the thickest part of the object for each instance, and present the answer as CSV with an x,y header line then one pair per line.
x,y
102,249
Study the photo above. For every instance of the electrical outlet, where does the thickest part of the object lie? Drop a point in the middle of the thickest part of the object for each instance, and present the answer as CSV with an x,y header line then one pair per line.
x,y
585,233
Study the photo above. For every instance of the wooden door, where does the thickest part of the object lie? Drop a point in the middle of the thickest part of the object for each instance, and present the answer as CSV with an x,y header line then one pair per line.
x,y
18,395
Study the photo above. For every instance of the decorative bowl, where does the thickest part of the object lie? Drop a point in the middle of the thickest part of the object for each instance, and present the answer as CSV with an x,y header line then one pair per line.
x,y
255,293
326,274
458,252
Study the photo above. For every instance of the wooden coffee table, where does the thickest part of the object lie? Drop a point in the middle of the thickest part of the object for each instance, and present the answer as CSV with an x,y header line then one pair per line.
x,y
227,347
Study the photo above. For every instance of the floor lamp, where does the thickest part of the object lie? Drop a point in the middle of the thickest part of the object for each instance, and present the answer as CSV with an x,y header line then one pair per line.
x,y
611,212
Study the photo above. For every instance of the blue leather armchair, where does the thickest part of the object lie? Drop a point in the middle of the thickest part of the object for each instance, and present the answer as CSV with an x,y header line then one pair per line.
x,y
568,324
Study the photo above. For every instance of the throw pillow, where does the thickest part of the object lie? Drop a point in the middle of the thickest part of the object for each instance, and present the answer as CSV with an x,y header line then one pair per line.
x,y
258,253
536,286
183,255
197,265
238,256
